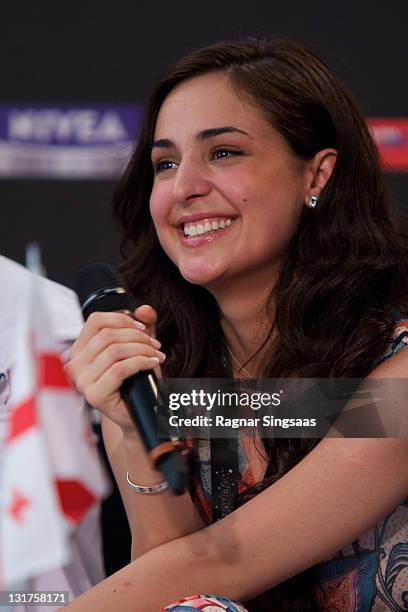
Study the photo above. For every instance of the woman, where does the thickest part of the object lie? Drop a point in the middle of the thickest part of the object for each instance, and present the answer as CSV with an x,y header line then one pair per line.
x,y
261,243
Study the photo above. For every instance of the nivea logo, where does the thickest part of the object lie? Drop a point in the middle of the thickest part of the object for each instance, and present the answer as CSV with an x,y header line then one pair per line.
x,y
71,126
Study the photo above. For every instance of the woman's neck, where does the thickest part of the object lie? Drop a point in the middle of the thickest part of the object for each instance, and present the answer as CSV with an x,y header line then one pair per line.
x,y
246,325
247,307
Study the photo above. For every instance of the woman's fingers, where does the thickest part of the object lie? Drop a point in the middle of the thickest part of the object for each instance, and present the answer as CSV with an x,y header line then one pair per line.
x,y
98,321
84,372
148,316
115,353
110,336
103,393
112,347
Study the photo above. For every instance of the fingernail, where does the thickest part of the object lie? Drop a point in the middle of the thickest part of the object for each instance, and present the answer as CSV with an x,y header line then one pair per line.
x,y
139,325
155,343
154,360
161,356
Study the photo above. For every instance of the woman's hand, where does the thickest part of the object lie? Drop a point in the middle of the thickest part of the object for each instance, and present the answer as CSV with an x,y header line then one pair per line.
x,y
111,347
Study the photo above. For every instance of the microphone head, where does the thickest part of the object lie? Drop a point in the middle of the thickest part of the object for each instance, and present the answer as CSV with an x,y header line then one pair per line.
x,y
101,289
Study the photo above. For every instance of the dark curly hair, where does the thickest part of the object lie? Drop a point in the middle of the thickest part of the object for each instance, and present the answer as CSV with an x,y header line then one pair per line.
x,y
345,273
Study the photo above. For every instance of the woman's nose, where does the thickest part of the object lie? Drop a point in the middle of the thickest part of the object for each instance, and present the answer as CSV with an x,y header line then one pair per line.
x,y
191,181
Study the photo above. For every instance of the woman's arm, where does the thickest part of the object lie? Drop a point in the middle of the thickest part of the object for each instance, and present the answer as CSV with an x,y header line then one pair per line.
x,y
341,489
337,492
153,519
111,347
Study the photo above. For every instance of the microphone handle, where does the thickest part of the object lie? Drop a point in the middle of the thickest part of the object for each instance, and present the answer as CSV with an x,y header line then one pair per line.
x,y
137,392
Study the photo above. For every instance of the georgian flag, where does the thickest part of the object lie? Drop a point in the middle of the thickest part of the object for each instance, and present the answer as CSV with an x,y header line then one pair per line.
x,y
50,472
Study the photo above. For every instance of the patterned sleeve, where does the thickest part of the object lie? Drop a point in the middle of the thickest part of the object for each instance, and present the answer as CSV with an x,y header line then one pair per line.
x,y
399,339
210,603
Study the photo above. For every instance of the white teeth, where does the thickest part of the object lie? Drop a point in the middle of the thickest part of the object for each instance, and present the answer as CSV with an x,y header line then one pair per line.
x,y
192,229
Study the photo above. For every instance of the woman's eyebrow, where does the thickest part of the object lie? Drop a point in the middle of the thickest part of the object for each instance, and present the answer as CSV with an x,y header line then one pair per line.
x,y
165,143
211,132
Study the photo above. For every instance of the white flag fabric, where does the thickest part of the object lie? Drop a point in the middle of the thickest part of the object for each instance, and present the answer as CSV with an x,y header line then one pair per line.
x,y
50,472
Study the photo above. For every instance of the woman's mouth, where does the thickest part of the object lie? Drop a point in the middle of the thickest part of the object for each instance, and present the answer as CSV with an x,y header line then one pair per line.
x,y
205,226
204,231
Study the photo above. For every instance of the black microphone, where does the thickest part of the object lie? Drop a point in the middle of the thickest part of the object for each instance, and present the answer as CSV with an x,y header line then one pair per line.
x,y
100,289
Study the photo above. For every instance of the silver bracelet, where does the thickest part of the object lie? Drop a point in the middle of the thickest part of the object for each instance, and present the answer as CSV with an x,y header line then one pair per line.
x,y
152,490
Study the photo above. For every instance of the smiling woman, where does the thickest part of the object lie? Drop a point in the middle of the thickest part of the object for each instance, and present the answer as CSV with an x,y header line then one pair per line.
x,y
259,237
244,176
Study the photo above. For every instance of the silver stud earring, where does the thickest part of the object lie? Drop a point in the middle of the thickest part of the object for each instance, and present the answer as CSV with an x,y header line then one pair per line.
x,y
313,200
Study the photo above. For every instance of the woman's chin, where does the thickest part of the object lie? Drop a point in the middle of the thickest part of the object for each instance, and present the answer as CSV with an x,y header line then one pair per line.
x,y
199,276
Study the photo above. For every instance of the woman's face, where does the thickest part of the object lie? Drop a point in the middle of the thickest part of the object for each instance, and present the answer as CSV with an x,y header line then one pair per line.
x,y
228,192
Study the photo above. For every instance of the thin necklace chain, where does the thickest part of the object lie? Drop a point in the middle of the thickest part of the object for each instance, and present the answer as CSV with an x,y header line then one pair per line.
x,y
240,366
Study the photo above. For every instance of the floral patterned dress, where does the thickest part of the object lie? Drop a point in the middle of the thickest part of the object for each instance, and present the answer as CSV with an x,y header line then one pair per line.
x,y
369,575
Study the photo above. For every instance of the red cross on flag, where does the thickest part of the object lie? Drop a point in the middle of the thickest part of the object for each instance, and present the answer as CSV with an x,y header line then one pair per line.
x,y
50,471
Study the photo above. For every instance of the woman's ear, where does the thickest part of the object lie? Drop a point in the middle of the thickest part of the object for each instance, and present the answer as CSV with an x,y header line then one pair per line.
x,y
319,172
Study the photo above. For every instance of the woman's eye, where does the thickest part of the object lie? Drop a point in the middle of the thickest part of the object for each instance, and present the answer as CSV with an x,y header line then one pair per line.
x,y
163,164
223,153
